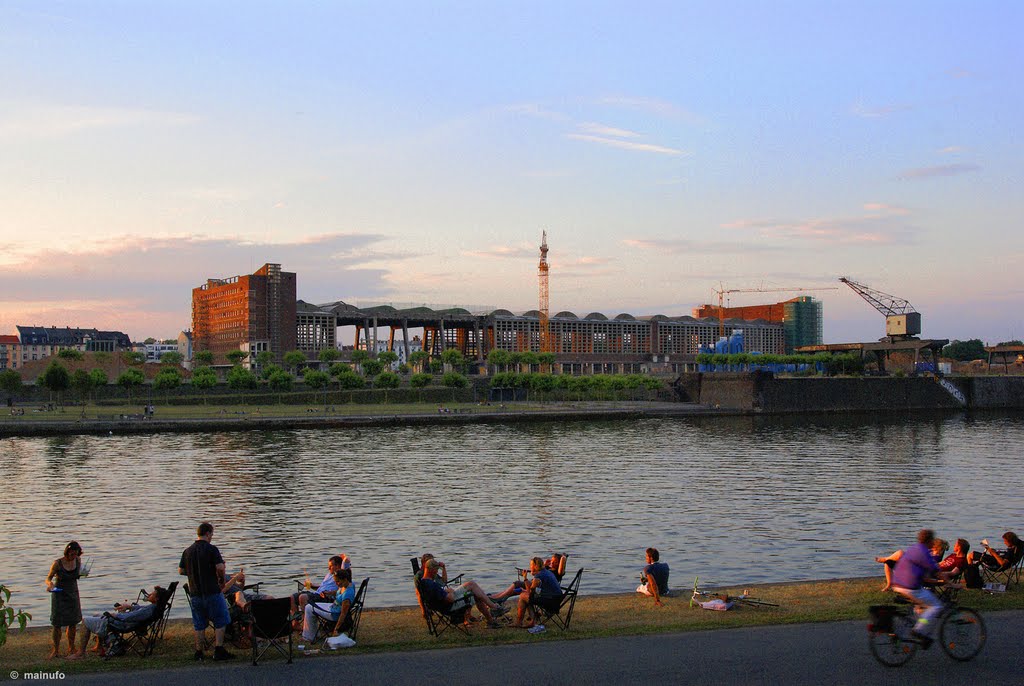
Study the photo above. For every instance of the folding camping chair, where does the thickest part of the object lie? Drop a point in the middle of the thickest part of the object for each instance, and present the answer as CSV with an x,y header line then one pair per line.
x,y
140,638
551,609
1007,574
271,623
439,617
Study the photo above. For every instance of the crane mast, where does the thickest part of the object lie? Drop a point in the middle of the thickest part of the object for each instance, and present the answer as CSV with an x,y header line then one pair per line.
x,y
542,278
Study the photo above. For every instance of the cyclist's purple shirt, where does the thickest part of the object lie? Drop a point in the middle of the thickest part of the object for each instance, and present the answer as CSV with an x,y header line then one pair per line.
x,y
916,564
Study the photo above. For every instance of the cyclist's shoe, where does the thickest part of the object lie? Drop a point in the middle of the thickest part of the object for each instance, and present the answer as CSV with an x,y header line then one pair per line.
x,y
925,641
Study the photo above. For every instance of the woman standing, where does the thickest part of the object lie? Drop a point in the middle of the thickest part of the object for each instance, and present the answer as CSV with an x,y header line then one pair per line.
x,y
65,605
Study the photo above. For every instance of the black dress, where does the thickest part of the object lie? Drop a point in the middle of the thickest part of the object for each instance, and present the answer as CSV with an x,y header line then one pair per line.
x,y
65,605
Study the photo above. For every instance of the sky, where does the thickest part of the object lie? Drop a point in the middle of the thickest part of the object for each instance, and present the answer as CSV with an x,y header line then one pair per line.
x,y
413,152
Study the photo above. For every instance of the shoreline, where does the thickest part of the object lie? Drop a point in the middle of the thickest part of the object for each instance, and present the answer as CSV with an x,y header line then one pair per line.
x,y
398,629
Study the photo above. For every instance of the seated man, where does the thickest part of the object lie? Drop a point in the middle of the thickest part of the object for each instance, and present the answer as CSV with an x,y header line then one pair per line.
x,y
237,595
999,560
654,578
336,610
956,561
435,593
543,590
327,589
556,563
129,614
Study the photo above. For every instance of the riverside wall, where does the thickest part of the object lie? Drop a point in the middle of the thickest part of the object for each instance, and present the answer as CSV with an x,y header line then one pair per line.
x,y
762,392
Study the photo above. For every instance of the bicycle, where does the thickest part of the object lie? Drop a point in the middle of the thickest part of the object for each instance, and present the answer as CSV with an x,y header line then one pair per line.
x,y
745,599
961,631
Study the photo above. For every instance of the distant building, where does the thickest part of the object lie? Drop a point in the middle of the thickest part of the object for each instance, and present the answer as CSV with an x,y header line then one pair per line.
x,y
185,348
252,313
154,351
10,352
37,342
801,318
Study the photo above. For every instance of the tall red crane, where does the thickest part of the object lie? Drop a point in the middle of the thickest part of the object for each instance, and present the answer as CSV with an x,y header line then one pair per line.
x,y
542,278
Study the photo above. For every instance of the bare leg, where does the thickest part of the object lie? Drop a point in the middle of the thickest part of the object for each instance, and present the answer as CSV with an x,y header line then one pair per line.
x,y
218,637
72,631
507,593
201,640
55,643
481,597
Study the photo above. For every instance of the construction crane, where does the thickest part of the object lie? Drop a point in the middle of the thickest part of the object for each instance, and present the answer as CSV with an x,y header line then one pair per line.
x,y
902,321
542,278
722,291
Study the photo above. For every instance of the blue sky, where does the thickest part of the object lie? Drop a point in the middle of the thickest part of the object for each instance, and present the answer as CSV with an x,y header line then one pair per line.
x,y
413,152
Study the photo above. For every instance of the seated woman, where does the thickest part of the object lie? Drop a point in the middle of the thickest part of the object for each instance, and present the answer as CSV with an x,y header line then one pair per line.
x,y
543,590
998,560
336,611
939,547
128,614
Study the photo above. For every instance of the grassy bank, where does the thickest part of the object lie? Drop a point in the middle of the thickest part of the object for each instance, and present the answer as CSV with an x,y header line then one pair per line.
x,y
402,629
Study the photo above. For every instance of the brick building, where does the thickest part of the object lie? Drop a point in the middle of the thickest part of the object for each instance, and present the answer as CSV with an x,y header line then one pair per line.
x,y
251,313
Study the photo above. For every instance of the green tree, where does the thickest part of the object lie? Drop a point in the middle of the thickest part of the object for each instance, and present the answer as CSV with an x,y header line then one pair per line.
x,y
99,378
529,358
203,358
81,381
10,381
454,380
387,358
418,358
8,615
965,351
204,379
499,359
421,380
547,361
339,368
235,357
70,354
55,379
454,358
167,380
359,356
269,370
350,380
133,357
436,366
372,368
1013,342
241,379
329,355
293,359
317,381
387,380
264,358
280,380
403,369
172,357
129,379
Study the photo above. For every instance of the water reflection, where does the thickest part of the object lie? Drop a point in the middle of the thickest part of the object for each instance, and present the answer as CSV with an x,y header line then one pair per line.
x,y
735,500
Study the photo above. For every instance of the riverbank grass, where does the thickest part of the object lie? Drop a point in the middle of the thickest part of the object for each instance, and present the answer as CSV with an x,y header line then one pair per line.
x,y
403,629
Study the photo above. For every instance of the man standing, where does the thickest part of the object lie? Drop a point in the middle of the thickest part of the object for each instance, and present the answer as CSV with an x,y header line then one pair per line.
x,y
914,568
654,578
204,566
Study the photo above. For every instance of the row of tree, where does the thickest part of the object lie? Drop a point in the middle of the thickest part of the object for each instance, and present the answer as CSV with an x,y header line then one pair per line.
x,y
973,349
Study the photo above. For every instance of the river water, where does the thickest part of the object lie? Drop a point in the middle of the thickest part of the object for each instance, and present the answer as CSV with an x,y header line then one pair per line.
x,y
735,500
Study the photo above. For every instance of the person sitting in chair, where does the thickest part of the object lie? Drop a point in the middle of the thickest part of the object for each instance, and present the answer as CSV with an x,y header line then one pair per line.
x,y
999,560
326,591
543,590
433,591
337,610
132,614
654,578
555,563
938,547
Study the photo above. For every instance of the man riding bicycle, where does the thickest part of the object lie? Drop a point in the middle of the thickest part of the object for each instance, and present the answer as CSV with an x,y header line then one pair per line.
x,y
913,570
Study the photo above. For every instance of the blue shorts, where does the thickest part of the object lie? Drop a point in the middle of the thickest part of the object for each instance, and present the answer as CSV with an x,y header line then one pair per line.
x,y
210,608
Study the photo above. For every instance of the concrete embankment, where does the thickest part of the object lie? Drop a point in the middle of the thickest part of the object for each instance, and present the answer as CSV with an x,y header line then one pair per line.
x,y
252,421
763,393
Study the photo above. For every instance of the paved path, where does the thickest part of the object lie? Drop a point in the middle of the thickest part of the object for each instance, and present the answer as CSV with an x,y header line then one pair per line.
x,y
834,653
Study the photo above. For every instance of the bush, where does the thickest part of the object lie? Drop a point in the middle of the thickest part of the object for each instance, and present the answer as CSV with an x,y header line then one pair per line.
x,y
372,367
454,380
279,380
421,380
387,380
351,381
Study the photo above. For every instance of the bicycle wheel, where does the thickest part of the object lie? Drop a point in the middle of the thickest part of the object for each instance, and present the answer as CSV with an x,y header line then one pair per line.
x,y
963,633
756,602
895,647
